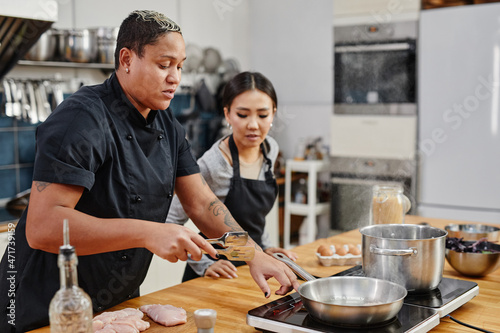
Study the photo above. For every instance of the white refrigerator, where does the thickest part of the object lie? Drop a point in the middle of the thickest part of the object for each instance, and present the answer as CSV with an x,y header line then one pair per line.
x,y
459,113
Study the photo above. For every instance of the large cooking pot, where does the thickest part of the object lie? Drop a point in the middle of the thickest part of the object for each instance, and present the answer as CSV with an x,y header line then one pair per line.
x,y
348,300
410,255
106,41
78,45
44,49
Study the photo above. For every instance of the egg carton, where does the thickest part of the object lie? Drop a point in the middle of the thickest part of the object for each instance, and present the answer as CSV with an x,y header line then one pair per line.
x,y
348,259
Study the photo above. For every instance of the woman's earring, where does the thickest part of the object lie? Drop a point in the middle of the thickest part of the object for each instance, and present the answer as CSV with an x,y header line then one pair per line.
x,y
271,124
229,126
126,70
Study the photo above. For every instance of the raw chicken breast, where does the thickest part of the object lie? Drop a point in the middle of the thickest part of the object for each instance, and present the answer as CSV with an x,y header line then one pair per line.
x,y
129,312
122,321
166,315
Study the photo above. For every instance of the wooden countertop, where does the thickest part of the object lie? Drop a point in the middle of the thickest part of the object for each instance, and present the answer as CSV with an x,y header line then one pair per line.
x,y
233,298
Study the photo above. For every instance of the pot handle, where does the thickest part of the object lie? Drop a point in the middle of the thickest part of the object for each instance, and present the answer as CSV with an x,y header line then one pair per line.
x,y
392,252
296,268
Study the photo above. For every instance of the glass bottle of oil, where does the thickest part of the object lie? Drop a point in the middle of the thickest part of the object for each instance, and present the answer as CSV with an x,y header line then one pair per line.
x,y
70,309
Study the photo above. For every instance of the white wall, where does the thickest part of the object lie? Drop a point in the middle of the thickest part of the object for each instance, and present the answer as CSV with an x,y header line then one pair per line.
x,y
292,44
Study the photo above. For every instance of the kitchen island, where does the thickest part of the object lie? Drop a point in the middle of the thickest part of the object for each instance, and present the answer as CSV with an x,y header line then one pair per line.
x,y
233,298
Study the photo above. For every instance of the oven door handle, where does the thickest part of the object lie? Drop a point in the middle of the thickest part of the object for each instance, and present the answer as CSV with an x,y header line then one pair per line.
x,y
373,47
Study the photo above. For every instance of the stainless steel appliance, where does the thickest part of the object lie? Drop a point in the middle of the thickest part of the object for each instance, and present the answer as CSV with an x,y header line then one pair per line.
x,y
459,107
21,25
352,181
420,312
374,122
375,68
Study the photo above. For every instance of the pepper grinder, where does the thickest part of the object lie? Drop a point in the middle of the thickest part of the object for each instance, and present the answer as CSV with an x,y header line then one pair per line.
x,y
205,320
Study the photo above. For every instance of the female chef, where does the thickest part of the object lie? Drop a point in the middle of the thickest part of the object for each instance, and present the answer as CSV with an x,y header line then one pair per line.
x,y
108,159
239,168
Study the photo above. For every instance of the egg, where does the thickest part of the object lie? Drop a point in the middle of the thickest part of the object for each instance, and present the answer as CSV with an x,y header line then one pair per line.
x,y
354,250
340,250
325,250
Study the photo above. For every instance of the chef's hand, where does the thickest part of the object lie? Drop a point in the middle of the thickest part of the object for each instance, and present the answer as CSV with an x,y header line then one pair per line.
x,y
263,267
173,242
290,254
221,268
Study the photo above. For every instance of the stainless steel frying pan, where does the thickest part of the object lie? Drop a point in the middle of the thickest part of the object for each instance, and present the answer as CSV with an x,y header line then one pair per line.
x,y
348,300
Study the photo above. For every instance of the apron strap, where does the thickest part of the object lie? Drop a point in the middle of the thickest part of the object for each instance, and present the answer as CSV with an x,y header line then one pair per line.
x,y
234,156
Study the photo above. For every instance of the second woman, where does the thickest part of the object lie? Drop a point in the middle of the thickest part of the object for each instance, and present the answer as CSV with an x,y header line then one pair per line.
x,y
239,168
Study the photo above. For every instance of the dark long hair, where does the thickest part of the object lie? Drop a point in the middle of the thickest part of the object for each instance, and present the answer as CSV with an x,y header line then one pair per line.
x,y
141,28
245,81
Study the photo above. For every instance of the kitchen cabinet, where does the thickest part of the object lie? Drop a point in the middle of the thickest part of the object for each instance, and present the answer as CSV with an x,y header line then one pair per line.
x,y
312,208
351,12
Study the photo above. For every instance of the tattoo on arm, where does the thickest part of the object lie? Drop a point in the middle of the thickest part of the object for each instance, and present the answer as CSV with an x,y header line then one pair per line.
x,y
40,186
218,208
203,181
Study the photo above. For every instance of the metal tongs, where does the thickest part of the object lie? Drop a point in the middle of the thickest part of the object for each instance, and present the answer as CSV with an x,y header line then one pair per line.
x,y
230,238
233,243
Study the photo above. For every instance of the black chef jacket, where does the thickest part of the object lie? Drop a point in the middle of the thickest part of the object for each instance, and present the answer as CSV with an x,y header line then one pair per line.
x,y
127,164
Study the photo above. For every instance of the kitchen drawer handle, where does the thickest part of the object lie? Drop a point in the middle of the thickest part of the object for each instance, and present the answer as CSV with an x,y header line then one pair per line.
x,y
393,252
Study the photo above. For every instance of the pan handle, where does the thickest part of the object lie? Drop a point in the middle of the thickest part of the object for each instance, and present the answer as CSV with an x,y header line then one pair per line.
x,y
296,268
393,252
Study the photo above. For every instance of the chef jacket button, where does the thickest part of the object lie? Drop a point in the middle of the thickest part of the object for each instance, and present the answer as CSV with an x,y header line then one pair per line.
x,y
130,296
124,257
129,137
170,195
138,199
99,308
160,137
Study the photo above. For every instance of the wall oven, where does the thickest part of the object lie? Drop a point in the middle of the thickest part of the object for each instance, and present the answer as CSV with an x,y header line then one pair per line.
x,y
375,69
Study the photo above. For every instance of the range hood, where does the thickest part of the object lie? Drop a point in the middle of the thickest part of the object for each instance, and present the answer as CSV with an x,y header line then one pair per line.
x,y
21,25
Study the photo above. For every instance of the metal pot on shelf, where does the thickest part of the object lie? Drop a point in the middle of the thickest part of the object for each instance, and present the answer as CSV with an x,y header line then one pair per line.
x,y
44,49
106,44
78,45
410,255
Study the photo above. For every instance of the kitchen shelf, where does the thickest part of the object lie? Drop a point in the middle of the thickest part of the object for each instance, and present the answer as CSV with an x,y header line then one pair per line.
x,y
312,208
64,64
303,209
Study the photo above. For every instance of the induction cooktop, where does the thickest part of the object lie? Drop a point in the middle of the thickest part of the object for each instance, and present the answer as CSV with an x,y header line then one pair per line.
x,y
419,313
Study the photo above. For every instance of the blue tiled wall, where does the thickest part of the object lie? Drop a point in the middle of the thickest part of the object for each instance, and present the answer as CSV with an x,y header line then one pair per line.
x,y
17,153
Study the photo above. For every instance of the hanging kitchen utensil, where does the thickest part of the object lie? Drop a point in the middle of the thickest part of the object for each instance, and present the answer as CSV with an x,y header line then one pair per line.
x,y
348,300
25,105
16,103
57,95
33,114
230,238
42,103
8,99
